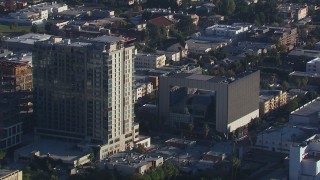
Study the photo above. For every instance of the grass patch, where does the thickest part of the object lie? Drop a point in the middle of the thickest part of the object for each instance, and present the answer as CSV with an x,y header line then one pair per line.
x,y
5,29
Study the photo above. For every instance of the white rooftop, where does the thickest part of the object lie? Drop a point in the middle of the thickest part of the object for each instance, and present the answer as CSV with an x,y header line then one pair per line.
x,y
30,38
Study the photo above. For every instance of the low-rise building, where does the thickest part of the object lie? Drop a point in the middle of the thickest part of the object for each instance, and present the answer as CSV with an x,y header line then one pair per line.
x,y
293,11
149,60
131,163
313,78
71,154
181,48
281,139
305,52
232,31
313,66
141,89
6,174
308,114
270,100
172,56
304,162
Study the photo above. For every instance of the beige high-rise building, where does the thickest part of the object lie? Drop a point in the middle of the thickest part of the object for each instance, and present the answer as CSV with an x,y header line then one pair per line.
x,y
83,92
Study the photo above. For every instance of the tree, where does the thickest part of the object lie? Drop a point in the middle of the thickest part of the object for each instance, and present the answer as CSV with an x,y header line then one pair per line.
x,y
206,129
141,149
292,105
235,165
186,25
10,5
227,7
285,86
138,8
34,28
26,173
91,157
48,27
304,81
190,126
230,73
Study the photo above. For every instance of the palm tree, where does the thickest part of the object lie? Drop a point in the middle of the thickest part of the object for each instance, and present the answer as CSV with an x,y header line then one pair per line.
x,y
205,129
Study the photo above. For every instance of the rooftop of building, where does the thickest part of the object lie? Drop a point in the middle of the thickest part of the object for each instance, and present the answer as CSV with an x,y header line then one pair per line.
x,y
215,79
5,172
130,159
305,52
294,134
180,141
108,39
309,109
29,38
163,21
12,64
268,94
149,55
315,60
65,151
305,74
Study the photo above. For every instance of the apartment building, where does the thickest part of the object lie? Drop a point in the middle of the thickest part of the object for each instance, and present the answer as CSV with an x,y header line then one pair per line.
x,y
293,11
83,92
150,60
15,76
271,100
313,66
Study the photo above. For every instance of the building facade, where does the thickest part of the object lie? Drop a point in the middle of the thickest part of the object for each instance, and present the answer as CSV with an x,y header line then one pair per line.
x,y
271,100
234,101
6,174
313,66
150,60
83,92
15,76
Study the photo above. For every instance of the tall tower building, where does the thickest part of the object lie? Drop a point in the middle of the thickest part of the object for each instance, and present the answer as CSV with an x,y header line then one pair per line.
x,y
83,92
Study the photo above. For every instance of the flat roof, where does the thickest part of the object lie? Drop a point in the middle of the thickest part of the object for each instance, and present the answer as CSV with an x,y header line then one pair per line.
x,y
29,38
65,151
199,77
305,74
130,159
107,39
308,109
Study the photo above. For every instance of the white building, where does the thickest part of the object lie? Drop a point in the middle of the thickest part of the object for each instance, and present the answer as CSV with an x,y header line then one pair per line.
x,y
313,66
142,89
149,60
173,56
304,162
232,31
281,139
